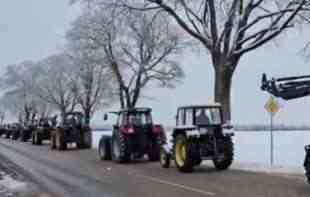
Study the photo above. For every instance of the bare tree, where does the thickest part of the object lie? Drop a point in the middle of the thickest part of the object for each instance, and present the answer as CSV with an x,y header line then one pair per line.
x,y
91,77
140,47
226,29
17,97
55,85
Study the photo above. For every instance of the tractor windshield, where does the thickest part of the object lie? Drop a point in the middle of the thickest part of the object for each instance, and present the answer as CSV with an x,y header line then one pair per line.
x,y
139,118
208,116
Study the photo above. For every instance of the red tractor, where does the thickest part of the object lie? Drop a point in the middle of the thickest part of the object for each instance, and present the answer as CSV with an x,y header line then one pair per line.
x,y
134,135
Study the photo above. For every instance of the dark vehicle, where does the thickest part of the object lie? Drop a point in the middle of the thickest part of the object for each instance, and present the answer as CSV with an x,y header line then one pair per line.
x,y
73,129
11,128
134,135
16,131
307,163
43,130
289,88
200,134
2,129
27,129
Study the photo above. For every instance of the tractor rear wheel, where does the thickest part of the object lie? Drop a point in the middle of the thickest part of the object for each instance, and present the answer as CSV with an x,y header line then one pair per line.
x,y
15,135
154,152
87,139
23,136
38,137
60,140
105,149
7,134
33,139
226,155
182,152
120,148
53,140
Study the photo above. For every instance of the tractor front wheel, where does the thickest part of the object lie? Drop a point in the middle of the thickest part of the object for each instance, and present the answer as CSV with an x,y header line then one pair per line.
x,y
182,153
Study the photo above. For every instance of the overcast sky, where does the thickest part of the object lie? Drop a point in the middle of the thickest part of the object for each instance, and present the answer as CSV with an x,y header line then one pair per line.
x,y
34,29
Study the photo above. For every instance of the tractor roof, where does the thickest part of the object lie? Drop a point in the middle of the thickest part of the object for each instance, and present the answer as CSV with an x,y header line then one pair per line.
x,y
74,113
209,105
134,110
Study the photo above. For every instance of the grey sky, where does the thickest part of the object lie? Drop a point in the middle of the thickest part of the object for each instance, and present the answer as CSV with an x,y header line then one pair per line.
x,y
34,29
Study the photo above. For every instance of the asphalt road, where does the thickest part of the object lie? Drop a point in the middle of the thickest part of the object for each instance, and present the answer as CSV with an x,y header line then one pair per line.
x,y
80,173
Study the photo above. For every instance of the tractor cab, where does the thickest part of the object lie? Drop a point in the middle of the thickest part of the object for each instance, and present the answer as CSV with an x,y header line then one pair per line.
x,y
201,116
132,121
74,119
199,135
134,135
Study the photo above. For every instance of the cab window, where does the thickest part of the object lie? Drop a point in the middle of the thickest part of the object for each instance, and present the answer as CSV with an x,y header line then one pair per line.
x,y
180,117
189,117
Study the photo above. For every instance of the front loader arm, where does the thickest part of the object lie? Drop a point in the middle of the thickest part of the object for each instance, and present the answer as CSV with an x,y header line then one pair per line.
x,y
287,88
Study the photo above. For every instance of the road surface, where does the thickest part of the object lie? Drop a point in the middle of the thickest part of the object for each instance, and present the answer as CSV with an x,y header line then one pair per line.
x,y
79,173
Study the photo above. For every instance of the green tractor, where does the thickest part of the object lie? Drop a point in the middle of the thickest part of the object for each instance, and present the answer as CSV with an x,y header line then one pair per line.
x,y
200,134
73,129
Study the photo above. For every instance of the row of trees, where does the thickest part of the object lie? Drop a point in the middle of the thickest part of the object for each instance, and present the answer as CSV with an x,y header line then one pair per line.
x,y
110,55
117,48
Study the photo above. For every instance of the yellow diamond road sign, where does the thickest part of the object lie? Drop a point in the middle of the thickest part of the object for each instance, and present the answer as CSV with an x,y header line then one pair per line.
x,y
272,106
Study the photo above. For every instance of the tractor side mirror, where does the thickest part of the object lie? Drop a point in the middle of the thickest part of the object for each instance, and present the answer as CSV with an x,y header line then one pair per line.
x,y
105,117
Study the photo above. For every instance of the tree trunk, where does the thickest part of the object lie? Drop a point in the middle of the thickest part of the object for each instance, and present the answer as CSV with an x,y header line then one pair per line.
x,y
63,114
222,91
87,113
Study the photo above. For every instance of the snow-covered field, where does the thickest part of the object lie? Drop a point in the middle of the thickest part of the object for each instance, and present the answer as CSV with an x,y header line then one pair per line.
x,y
254,147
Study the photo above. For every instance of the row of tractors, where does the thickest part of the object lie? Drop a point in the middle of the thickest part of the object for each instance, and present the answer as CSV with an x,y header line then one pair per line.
x,y
199,134
71,129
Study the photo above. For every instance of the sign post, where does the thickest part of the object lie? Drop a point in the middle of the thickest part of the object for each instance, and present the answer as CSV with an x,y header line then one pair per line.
x,y
272,107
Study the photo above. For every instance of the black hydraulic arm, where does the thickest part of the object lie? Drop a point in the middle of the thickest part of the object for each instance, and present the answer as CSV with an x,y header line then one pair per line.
x,y
288,87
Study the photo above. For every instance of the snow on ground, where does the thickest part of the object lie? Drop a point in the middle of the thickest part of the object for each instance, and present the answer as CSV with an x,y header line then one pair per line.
x,y
14,184
10,187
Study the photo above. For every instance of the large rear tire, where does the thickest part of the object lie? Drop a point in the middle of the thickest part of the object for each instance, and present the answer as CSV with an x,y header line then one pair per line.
x,y
120,148
53,140
23,136
182,153
60,140
15,135
8,134
154,152
226,154
87,140
38,138
104,149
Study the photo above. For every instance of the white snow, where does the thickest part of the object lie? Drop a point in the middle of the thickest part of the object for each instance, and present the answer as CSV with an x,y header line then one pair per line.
x,y
13,185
